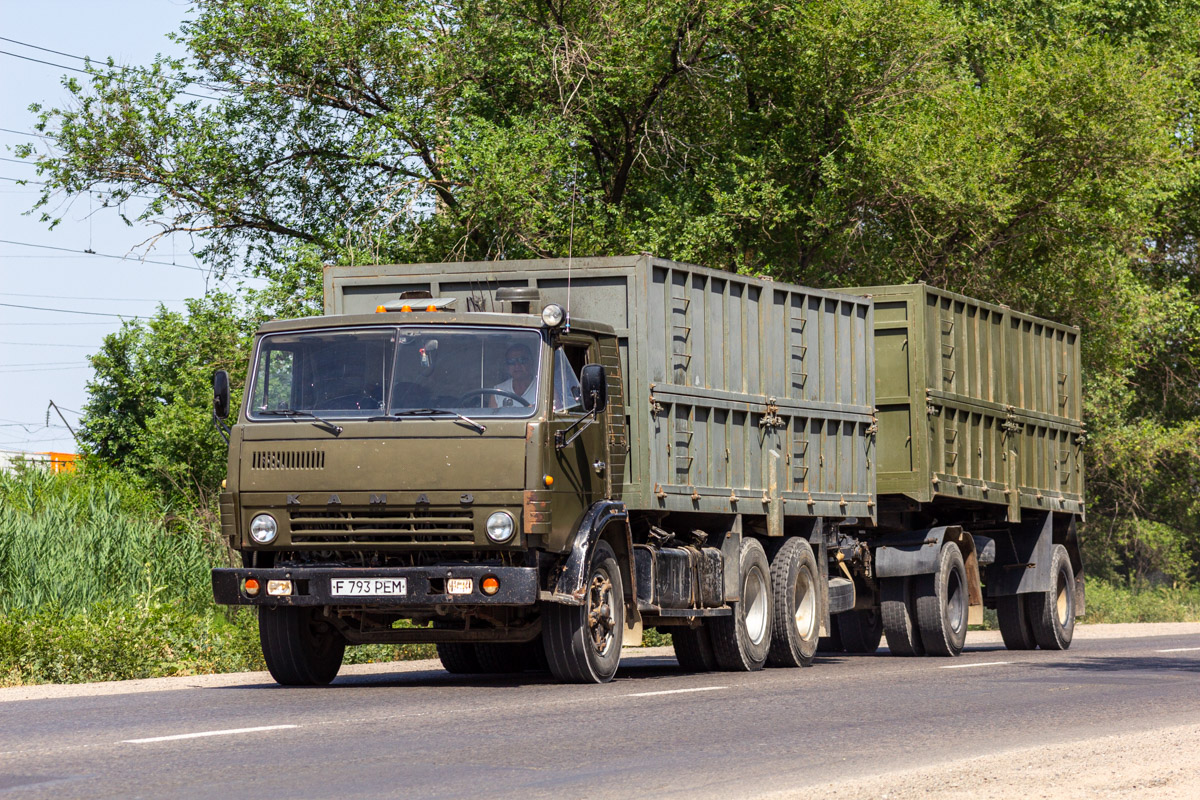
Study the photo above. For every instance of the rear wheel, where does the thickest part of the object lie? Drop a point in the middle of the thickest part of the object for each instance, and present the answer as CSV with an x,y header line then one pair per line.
x,y
1052,612
796,602
300,648
693,649
742,640
941,603
898,611
458,658
1013,614
860,631
583,643
833,642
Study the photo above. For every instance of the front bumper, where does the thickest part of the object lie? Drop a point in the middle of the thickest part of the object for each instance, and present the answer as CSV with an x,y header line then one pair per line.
x,y
426,586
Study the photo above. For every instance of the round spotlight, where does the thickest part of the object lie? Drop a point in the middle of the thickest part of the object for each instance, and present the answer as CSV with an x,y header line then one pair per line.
x,y
263,529
553,315
500,527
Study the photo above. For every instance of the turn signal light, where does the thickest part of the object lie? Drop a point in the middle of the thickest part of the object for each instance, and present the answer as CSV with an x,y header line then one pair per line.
x,y
548,481
251,587
490,584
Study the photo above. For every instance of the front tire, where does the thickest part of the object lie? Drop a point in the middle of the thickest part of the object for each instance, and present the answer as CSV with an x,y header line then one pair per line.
x,y
1052,612
742,641
796,601
583,643
300,648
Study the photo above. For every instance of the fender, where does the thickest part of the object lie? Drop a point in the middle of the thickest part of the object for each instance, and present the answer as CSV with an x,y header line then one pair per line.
x,y
569,589
917,554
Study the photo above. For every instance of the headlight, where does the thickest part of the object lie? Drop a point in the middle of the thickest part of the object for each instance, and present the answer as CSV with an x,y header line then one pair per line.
x,y
500,527
263,529
553,315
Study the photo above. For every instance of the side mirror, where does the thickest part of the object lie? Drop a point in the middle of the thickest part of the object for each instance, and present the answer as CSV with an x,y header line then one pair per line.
x,y
594,383
221,394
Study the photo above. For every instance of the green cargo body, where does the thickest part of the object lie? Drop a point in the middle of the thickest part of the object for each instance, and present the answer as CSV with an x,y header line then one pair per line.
x,y
743,395
976,402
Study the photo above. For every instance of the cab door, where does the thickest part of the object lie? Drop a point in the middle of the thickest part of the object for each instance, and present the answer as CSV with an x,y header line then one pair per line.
x,y
578,462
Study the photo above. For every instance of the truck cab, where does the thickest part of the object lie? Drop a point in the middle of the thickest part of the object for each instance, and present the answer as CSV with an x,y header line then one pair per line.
x,y
420,474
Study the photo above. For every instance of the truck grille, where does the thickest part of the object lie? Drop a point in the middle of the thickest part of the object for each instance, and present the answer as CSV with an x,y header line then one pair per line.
x,y
376,527
288,459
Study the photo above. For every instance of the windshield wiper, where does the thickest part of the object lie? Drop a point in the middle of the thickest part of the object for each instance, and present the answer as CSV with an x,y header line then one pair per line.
x,y
292,413
430,412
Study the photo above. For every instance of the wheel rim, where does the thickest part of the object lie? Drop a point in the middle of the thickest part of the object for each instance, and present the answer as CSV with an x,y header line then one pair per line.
x,y
956,601
601,616
806,606
754,601
1063,601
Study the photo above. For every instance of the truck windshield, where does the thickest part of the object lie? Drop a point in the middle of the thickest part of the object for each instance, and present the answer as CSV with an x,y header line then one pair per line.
x,y
359,373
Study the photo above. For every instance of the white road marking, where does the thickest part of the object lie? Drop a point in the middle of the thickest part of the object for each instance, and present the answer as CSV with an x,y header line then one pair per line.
x,y
678,691
1178,650
980,664
202,734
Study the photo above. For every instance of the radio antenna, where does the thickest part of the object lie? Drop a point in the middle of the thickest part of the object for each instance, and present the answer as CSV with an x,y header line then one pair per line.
x,y
571,242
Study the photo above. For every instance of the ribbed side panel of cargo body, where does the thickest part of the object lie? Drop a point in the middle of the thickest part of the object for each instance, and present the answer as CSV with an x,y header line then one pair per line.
x,y
976,402
742,395
760,395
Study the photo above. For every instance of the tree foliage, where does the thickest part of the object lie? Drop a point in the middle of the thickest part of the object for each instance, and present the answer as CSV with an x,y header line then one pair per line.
x,y
1037,154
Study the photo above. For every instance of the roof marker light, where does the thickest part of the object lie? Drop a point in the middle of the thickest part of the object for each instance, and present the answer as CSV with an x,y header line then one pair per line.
x,y
380,310
406,308
431,307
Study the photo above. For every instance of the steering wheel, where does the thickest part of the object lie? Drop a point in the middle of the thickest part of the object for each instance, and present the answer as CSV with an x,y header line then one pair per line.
x,y
500,392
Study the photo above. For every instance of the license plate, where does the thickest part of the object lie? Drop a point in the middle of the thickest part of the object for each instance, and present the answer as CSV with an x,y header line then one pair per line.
x,y
368,587
459,586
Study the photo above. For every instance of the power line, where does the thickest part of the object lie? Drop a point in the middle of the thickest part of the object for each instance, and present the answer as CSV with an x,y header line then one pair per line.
x,y
78,297
43,49
69,311
40,61
102,255
45,369
43,364
84,59
26,133
56,323
32,182
49,344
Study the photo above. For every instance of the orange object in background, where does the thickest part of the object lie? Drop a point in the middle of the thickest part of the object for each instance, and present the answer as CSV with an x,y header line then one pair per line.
x,y
62,462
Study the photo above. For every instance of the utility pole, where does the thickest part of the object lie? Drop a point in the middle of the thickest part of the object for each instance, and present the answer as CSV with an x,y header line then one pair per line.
x,y
54,405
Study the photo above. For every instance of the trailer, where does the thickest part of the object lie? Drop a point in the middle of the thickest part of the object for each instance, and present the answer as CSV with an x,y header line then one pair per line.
x,y
527,462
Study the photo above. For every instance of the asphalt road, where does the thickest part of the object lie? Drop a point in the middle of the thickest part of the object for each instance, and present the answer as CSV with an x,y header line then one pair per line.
x,y
654,731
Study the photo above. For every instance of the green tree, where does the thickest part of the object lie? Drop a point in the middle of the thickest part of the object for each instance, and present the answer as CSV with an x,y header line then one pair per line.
x,y
1037,154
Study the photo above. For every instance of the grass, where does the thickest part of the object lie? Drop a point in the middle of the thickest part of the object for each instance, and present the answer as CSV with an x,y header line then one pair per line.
x,y
99,582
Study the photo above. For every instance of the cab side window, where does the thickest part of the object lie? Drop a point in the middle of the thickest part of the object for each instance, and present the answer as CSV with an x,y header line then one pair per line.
x,y
568,361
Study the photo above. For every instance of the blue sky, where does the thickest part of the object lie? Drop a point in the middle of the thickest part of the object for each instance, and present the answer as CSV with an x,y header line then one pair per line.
x,y
43,353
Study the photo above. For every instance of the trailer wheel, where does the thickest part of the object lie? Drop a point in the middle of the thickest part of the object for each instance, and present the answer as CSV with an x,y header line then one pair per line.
x,y
942,604
1013,614
742,640
1052,612
898,610
693,649
300,649
860,631
796,601
458,658
583,643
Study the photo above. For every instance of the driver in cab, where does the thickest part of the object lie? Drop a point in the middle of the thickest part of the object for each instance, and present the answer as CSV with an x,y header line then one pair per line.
x,y
519,361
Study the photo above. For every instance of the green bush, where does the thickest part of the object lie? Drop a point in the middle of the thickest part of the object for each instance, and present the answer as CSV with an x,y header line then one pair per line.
x,y
1109,602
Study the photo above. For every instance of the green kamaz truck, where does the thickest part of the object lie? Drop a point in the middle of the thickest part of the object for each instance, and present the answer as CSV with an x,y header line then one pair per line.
x,y
529,462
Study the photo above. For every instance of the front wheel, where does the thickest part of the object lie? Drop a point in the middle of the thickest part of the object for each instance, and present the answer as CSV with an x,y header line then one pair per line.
x,y
583,643
300,648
